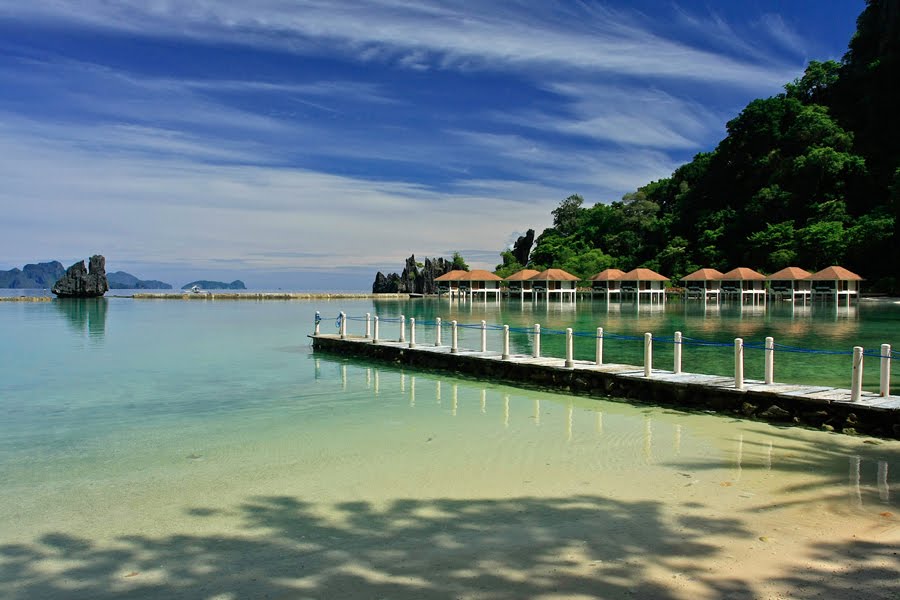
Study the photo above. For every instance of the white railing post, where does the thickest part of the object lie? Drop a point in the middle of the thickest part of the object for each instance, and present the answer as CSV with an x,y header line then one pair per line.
x,y
375,331
454,338
537,340
856,374
402,329
738,363
885,387
412,332
437,332
483,336
770,361
505,354
599,357
343,325
368,325
676,351
318,320
570,350
648,354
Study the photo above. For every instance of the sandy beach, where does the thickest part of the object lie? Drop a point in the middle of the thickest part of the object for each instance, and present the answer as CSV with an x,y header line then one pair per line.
x,y
505,518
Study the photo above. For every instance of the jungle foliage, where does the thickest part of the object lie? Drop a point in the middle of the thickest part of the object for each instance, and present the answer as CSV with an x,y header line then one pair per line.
x,y
810,177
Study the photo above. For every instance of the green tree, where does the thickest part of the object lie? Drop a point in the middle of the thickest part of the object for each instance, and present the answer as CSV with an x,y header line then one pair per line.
x,y
774,247
566,215
457,262
509,265
822,243
814,87
588,264
809,177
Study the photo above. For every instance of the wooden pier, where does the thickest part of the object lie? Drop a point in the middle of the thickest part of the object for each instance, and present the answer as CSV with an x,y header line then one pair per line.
x,y
823,407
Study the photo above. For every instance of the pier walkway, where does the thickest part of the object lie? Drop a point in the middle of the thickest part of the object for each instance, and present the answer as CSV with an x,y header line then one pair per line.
x,y
824,407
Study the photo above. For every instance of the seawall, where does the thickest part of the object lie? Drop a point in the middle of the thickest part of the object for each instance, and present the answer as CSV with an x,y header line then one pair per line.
x,y
26,298
265,296
821,407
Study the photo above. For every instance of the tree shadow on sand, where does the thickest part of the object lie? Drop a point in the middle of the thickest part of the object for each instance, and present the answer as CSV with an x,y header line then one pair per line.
x,y
585,546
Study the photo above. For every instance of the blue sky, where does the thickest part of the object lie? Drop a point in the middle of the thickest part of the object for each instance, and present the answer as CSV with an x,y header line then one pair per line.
x,y
310,143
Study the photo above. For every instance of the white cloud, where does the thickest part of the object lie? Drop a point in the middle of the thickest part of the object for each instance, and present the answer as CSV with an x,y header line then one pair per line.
x,y
782,33
460,34
131,207
627,116
224,172
600,175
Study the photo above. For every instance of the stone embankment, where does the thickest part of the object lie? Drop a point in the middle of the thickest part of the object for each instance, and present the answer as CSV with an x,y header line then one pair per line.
x,y
25,298
265,296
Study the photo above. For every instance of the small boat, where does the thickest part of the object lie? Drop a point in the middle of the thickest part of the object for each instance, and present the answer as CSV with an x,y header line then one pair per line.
x,y
196,289
413,295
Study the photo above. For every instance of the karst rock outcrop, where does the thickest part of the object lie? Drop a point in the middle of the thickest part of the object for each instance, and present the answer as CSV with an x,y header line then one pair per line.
x,y
522,248
81,282
414,279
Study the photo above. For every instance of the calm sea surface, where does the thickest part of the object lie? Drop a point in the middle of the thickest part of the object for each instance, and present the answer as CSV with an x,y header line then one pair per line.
x,y
200,448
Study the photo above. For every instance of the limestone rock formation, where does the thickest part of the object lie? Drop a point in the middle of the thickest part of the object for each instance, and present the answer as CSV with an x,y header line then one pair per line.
x,y
79,282
413,279
386,284
522,248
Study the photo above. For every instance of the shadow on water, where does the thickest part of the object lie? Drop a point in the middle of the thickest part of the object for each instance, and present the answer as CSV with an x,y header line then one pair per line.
x,y
84,315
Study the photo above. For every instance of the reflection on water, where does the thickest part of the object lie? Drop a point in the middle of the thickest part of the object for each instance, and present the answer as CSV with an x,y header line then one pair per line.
x,y
771,466
84,315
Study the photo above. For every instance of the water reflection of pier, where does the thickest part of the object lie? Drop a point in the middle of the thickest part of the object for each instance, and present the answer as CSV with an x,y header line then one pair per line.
x,y
658,437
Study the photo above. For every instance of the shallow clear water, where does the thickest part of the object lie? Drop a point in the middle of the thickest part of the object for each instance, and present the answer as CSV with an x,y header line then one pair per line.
x,y
196,447
818,327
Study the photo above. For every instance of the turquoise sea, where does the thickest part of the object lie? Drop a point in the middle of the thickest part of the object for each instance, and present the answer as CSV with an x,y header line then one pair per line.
x,y
199,449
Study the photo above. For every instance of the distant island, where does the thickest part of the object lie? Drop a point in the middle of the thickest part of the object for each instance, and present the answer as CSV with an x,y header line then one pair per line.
x,y
34,276
237,284
120,280
43,275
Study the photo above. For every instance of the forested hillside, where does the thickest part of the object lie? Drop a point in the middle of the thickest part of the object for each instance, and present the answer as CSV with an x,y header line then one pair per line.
x,y
810,178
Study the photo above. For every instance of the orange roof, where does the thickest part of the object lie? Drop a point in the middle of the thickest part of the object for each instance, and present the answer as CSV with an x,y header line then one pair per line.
x,y
554,275
835,273
704,275
743,274
451,275
477,275
522,275
608,275
790,274
642,275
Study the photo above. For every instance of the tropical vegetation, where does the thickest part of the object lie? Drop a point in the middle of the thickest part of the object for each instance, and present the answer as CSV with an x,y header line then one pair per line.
x,y
810,177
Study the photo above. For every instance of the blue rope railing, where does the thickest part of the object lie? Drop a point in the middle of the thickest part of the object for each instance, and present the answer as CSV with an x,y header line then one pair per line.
x,y
685,340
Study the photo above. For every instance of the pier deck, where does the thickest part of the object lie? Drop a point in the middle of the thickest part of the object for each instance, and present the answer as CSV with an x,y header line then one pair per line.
x,y
814,405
